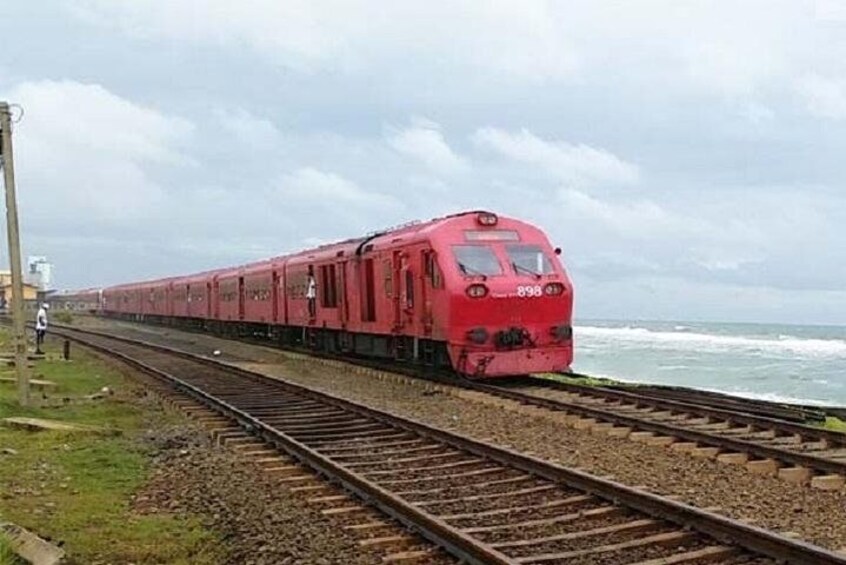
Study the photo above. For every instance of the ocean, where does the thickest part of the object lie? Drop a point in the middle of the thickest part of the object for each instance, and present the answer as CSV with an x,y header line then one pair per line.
x,y
782,363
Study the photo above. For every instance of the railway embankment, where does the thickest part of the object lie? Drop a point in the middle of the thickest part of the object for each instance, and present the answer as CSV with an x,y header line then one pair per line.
x,y
817,516
153,488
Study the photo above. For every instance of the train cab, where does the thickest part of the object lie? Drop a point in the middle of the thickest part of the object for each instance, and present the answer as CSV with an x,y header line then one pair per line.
x,y
511,300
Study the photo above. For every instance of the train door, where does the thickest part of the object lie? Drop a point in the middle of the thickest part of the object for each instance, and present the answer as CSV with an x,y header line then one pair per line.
x,y
431,282
208,300
274,295
343,303
368,291
169,299
413,295
283,296
407,298
242,297
215,298
398,290
189,301
409,292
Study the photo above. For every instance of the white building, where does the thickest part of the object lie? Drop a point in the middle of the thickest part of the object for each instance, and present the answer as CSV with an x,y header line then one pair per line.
x,y
39,272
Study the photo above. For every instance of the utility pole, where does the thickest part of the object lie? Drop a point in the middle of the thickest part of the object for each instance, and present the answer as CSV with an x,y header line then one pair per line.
x,y
17,302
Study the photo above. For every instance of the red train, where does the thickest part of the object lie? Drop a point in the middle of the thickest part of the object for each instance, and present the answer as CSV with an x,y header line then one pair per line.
x,y
482,294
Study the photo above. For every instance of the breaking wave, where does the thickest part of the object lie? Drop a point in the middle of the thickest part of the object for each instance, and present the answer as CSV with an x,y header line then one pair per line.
x,y
772,397
781,345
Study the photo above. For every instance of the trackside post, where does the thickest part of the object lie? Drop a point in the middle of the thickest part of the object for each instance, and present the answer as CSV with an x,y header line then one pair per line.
x,y
17,302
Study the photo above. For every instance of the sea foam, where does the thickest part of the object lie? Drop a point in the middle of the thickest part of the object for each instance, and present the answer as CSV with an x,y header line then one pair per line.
x,y
704,342
772,397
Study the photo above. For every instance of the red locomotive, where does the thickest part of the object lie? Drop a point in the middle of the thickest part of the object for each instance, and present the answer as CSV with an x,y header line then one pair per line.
x,y
482,294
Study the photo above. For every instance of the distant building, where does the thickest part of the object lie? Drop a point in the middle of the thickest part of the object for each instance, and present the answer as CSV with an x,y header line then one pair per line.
x,y
30,291
39,272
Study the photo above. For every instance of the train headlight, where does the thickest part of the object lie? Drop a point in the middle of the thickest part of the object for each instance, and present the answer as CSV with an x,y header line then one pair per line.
x,y
562,333
478,335
477,291
553,289
486,219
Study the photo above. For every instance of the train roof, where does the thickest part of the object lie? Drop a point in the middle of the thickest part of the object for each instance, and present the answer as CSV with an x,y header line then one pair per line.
x,y
348,247
378,238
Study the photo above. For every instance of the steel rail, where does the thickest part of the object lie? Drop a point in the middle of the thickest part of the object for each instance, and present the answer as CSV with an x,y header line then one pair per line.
x,y
723,442
752,538
437,531
754,449
788,412
728,414
740,417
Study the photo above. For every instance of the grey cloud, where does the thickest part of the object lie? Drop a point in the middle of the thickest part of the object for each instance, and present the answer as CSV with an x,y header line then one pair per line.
x,y
423,141
685,159
578,164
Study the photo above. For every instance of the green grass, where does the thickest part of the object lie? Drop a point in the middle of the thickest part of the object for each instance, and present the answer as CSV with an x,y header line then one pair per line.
x,y
77,488
585,380
7,556
63,317
835,424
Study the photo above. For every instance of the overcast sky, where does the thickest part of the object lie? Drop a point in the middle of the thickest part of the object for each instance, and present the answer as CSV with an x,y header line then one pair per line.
x,y
689,157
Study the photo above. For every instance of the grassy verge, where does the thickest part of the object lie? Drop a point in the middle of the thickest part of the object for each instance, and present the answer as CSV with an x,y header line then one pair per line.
x,y
835,424
63,317
78,488
7,556
584,380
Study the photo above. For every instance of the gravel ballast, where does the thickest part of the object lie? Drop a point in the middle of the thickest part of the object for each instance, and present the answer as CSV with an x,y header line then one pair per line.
x,y
817,516
260,522
258,519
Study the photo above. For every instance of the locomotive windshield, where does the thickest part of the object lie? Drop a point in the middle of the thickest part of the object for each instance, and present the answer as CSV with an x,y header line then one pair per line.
x,y
529,260
476,260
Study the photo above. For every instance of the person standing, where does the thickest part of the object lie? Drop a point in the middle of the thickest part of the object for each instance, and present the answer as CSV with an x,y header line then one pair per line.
x,y
311,293
40,326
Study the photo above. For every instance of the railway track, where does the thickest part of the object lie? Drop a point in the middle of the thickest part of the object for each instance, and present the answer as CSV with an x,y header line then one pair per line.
x,y
481,503
790,412
766,445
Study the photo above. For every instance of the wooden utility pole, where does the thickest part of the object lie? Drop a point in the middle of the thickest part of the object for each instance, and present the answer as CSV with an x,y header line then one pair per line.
x,y
17,302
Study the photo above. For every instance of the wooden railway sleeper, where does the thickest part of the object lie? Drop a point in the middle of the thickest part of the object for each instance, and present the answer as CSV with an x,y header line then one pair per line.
x,y
484,454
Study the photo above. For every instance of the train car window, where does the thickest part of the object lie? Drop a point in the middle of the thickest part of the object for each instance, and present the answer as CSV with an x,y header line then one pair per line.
x,y
297,285
491,235
328,287
409,289
433,271
227,291
388,278
529,260
333,287
476,260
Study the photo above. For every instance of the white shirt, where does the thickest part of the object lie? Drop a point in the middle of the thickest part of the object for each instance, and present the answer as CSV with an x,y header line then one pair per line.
x,y
311,292
41,319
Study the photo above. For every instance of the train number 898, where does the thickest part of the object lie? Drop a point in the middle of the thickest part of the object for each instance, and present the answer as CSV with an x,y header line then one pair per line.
x,y
529,291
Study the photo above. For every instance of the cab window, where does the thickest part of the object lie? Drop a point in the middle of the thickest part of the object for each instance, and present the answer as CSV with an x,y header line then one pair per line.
x,y
528,260
433,272
476,260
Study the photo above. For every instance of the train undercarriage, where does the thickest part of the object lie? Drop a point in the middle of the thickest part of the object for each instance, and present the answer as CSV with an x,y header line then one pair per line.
x,y
401,349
